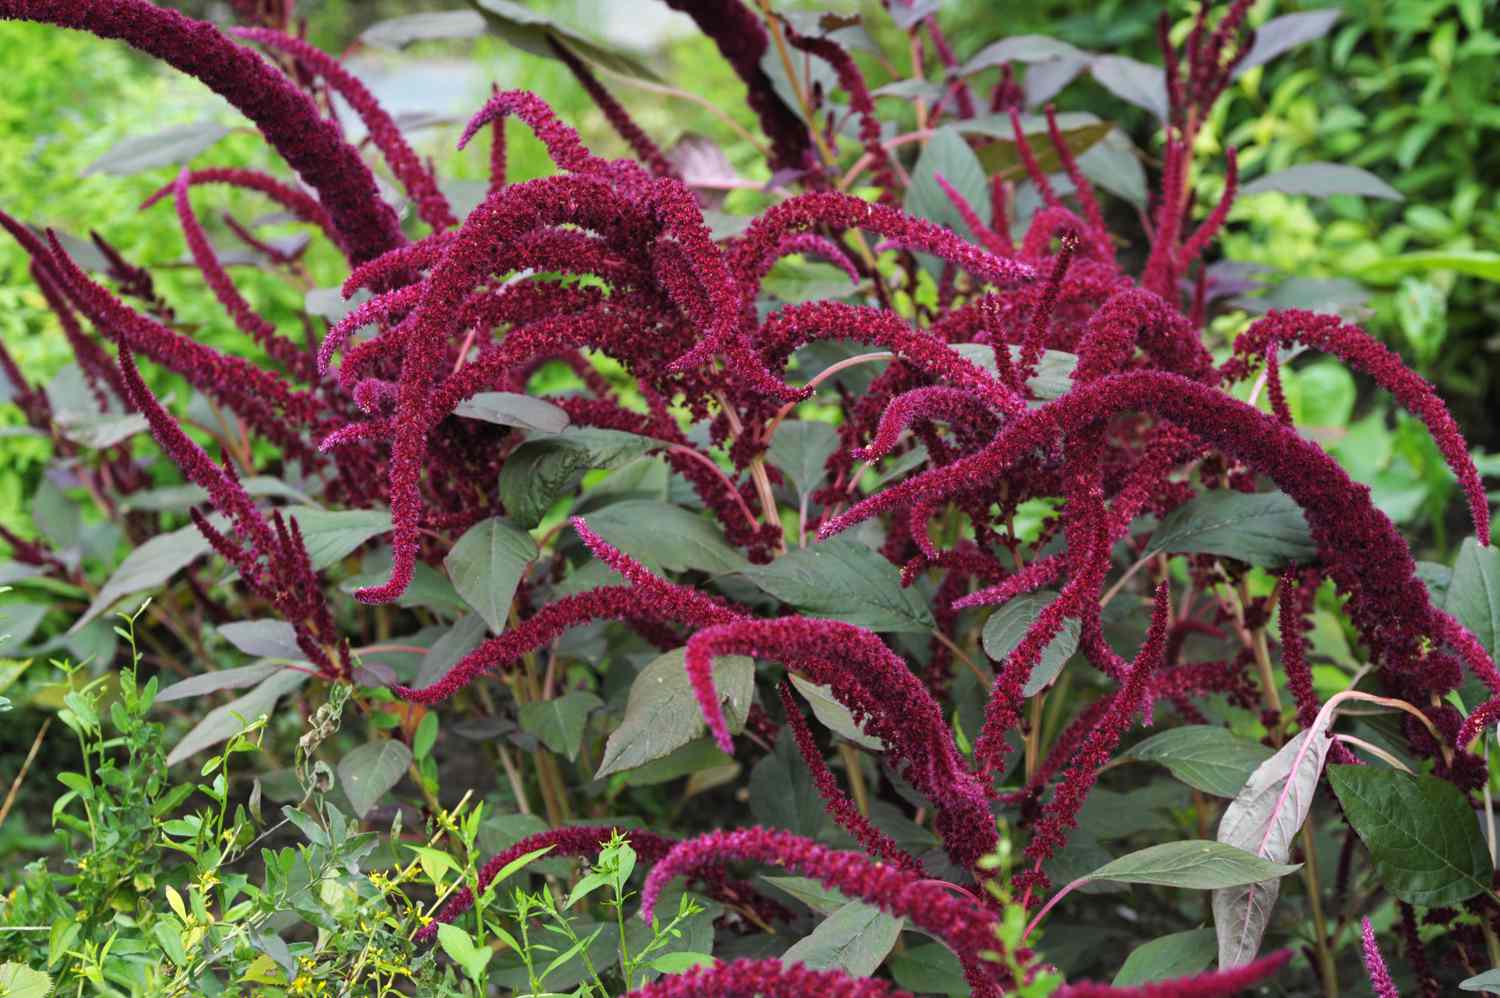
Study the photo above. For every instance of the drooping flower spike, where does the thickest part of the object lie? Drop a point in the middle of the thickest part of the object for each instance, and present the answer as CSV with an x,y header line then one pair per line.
x,y
988,238
295,358
765,979
1360,547
1061,813
1354,346
837,803
299,203
1211,984
881,693
418,180
963,924
284,114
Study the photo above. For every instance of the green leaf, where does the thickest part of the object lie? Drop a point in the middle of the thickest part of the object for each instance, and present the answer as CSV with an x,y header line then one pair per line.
x,y
1181,954
782,793
462,950
1322,180
800,449
1133,81
662,714
1264,817
1427,847
1054,373
697,756
823,900
371,770
930,968
1205,757
98,430
677,963
948,152
20,981
1197,864
1263,528
168,147
263,638
532,32
842,579
663,536
547,467
223,723
856,938
147,567
834,715
486,565
1474,591
1080,131
1008,625
512,409
560,722
1475,263
425,736
1489,981
330,535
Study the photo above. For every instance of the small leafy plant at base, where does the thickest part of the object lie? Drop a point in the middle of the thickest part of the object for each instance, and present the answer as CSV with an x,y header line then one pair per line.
x,y
826,557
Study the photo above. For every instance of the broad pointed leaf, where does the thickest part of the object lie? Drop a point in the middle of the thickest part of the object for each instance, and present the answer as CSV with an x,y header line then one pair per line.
x,y
486,565
842,579
366,773
1205,757
662,714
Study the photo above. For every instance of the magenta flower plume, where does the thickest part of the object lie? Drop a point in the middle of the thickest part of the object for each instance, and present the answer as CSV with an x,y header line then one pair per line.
x,y
1137,317
982,232
1364,554
563,144
1097,232
299,203
1036,574
584,840
1354,346
1061,813
844,212
795,325
765,979
285,115
1380,977
1041,312
246,319
881,693
852,81
811,244
966,926
619,119
1210,226
1214,984
419,182
839,806
953,405
742,40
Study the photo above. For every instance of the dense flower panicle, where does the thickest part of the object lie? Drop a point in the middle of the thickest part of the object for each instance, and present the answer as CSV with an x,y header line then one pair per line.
x,y
952,405
1034,171
1041,312
1035,575
536,631
966,926
563,144
98,367
1160,275
418,180
881,693
1212,984
1330,334
1097,232
1209,227
988,238
1362,550
795,325
958,88
840,807
299,203
860,103
844,212
685,601
382,272
1296,600
1138,317
584,840
1380,977
619,119
285,115
258,397
814,245
765,979
1275,390
1061,814
246,319
742,40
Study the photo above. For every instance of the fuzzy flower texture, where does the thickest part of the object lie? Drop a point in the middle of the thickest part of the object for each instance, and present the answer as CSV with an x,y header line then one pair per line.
x,y
1042,367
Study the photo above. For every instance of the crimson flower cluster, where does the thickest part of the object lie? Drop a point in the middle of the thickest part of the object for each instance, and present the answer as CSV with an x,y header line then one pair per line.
x,y
617,258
